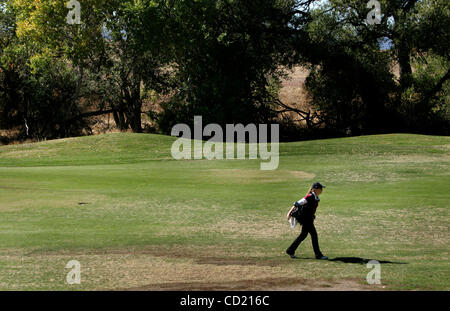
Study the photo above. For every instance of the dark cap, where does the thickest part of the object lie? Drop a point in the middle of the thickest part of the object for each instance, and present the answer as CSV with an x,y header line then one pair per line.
x,y
317,185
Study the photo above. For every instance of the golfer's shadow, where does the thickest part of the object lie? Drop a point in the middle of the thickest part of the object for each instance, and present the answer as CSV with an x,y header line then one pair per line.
x,y
362,260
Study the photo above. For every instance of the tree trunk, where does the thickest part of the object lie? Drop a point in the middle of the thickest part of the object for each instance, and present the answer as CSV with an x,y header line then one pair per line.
x,y
429,95
123,124
119,119
116,118
405,67
135,107
136,124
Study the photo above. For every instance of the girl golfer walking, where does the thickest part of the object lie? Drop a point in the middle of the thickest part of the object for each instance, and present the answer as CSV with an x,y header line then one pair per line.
x,y
304,211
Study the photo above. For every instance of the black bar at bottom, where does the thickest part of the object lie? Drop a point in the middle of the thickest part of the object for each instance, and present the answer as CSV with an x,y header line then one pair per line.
x,y
223,300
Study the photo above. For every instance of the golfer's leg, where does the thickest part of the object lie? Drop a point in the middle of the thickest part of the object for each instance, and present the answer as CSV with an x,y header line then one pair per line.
x,y
315,240
291,249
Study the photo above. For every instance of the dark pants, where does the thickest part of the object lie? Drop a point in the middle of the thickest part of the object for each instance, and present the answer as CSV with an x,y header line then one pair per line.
x,y
307,227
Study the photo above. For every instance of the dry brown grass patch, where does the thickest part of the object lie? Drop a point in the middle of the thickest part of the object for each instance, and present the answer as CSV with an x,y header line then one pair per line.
x,y
246,176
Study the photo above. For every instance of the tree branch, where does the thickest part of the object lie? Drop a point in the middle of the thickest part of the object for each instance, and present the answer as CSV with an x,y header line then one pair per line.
x,y
90,114
408,5
437,87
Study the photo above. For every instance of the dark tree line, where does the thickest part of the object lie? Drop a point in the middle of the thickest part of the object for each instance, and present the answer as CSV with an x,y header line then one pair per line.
x,y
224,60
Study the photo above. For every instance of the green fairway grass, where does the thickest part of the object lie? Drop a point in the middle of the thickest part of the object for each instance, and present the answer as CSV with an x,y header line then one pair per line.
x,y
134,217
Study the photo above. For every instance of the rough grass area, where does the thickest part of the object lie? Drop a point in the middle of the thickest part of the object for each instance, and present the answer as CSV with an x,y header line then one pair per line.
x,y
137,219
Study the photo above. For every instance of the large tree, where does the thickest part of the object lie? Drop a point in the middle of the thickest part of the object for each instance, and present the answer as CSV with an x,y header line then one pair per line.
x,y
353,81
134,63
35,90
228,55
223,60
112,68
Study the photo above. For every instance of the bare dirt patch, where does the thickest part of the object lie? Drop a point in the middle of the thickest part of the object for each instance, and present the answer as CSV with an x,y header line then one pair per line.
x,y
20,154
366,176
302,175
165,268
275,284
252,228
415,158
245,176
224,261
442,147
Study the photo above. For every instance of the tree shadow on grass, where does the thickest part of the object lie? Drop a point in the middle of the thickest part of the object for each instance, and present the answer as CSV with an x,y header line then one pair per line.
x,y
363,260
